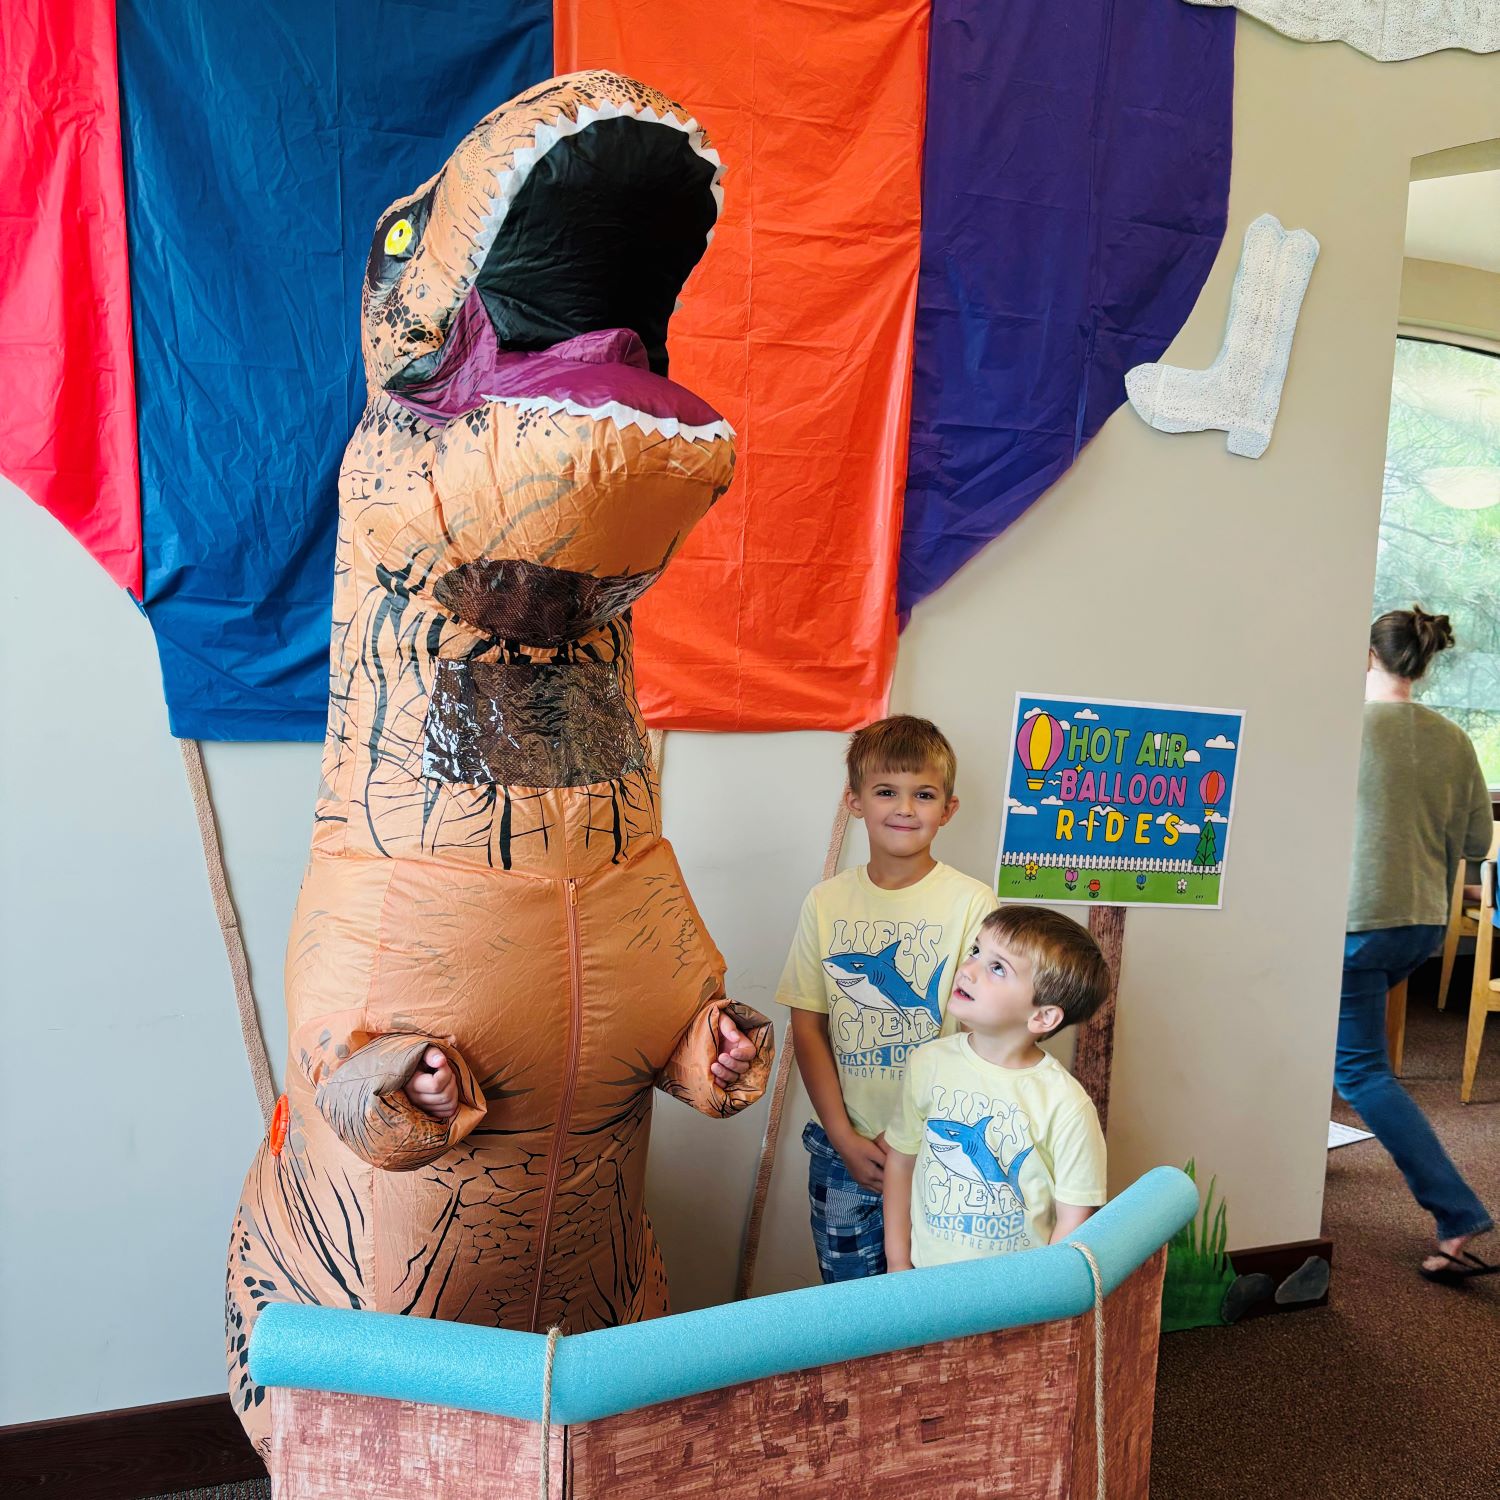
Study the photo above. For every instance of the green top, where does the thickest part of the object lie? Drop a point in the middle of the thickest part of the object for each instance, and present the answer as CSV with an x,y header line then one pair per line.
x,y
1423,806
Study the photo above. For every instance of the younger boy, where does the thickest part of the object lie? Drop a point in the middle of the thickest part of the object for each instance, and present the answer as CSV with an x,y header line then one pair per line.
x,y
868,978
995,1146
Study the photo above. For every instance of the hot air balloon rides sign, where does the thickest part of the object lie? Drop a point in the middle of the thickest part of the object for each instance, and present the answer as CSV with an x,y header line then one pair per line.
x,y
1118,804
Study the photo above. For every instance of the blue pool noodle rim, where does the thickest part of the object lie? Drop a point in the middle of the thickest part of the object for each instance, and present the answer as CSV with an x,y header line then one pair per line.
x,y
613,1370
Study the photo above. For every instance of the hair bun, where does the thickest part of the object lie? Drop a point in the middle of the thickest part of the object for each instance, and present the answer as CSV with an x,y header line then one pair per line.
x,y
1434,631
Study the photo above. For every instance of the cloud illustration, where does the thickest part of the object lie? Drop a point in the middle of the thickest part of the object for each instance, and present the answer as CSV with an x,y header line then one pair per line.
x,y
1219,742
1019,807
1084,713
1214,817
1191,755
1052,802
1031,713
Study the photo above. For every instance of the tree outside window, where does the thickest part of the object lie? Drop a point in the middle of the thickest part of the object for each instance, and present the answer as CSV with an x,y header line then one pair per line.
x,y
1440,525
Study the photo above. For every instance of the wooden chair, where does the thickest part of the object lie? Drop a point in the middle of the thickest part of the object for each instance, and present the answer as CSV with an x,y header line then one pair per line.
x,y
1484,996
1395,1025
1463,921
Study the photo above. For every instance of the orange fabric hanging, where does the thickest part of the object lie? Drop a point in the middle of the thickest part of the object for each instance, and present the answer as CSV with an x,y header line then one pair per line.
x,y
779,612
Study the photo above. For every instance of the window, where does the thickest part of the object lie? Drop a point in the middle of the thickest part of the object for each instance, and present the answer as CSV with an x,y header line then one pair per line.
x,y
1440,525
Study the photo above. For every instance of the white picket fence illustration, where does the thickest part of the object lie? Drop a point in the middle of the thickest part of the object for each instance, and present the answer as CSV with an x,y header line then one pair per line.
x,y
1109,862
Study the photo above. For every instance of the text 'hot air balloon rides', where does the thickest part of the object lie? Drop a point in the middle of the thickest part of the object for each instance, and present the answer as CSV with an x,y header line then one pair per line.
x,y
1039,744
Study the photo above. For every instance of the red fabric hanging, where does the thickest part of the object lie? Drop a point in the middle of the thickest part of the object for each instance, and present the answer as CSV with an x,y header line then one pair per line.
x,y
67,426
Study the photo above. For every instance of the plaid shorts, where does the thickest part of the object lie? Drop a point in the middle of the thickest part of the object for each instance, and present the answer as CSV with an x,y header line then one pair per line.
x,y
848,1228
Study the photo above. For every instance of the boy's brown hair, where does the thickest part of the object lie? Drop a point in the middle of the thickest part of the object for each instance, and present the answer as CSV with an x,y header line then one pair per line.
x,y
1067,968
900,743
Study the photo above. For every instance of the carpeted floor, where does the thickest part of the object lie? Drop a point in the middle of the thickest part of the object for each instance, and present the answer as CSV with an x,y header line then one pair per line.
x,y
255,1489
1392,1392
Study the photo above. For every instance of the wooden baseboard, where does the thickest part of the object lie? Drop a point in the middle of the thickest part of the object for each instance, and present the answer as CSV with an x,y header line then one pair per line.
x,y
125,1455
1278,1262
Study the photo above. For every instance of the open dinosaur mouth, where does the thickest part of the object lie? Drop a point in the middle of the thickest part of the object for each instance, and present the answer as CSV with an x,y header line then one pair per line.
x,y
603,225
592,231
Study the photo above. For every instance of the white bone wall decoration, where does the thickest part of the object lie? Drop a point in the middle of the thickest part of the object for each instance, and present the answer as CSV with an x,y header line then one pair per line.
x,y
1240,391
1387,30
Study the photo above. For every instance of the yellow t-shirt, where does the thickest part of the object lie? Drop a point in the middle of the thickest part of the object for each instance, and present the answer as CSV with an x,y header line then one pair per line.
x,y
880,965
996,1149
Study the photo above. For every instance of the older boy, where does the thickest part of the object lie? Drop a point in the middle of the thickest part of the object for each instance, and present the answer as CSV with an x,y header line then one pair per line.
x,y
995,1146
868,978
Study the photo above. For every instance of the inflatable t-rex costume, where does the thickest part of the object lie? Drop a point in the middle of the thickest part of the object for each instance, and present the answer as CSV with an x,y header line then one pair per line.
x,y
487,872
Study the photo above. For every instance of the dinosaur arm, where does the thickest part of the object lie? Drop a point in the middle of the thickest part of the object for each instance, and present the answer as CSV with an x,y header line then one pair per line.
x,y
686,1075
359,1084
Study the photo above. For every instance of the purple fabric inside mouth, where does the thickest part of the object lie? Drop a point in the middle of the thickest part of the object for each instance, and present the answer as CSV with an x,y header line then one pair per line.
x,y
592,369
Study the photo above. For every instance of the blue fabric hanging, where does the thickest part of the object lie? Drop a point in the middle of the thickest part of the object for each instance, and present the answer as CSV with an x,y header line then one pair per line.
x,y
261,143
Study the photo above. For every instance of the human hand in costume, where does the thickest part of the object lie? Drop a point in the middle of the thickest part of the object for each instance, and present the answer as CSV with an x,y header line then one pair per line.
x,y
864,1158
736,1054
434,1088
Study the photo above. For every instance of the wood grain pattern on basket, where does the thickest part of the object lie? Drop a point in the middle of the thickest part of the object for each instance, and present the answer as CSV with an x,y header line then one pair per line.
x,y
1009,1413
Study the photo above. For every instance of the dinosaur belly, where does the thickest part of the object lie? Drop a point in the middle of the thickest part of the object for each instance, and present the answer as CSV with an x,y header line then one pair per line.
x,y
537,1216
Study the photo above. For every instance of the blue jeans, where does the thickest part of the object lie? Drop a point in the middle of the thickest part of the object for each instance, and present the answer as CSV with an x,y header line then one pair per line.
x,y
848,1223
1375,962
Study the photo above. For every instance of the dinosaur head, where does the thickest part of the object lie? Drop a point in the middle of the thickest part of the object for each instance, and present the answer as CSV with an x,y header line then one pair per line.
x,y
579,206
519,304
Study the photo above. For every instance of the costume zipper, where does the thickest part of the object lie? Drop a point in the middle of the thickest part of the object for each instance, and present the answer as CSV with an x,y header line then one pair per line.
x,y
570,1087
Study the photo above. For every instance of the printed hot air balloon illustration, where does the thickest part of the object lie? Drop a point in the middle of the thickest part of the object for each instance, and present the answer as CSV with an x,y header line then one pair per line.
x,y
1211,788
1039,744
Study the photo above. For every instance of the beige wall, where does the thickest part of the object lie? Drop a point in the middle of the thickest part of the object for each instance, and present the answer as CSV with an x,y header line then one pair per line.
x,y
1160,568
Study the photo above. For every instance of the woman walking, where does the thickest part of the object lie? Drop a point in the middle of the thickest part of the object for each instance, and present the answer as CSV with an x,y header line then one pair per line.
x,y
1422,807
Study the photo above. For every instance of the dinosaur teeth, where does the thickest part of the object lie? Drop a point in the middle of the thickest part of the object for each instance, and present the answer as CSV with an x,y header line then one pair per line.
x,y
622,416
549,133
512,178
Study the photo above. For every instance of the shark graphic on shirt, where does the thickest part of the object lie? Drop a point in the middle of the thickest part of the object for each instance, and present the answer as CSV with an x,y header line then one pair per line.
x,y
873,982
962,1151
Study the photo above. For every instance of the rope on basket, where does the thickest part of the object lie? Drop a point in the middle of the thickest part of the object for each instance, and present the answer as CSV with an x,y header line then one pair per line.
x,y
553,1334
1098,1281
786,1064
229,928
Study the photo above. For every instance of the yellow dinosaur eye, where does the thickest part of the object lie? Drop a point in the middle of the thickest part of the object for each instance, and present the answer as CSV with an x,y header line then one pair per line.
x,y
398,237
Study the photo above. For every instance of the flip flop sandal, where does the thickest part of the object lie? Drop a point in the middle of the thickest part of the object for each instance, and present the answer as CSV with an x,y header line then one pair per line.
x,y
1460,1268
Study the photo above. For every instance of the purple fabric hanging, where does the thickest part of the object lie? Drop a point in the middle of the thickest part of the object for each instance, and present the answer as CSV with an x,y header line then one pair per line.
x,y
1074,195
